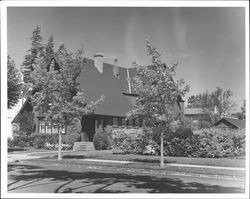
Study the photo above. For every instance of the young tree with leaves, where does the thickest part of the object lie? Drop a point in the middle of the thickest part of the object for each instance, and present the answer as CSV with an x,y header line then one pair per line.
x,y
57,97
14,83
157,96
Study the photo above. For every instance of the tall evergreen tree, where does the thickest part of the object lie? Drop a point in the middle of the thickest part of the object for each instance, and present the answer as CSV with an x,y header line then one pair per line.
x,y
49,48
14,83
157,95
35,51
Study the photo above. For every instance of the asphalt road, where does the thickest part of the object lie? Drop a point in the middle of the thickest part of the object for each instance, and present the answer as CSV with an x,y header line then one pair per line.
x,y
54,179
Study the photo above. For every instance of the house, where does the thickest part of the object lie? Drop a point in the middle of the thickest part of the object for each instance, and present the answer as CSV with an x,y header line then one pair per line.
x,y
98,78
230,123
195,113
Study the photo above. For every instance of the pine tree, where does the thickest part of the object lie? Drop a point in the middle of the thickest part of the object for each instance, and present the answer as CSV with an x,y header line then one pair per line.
x,y
14,83
157,95
49,48
58,98
35,51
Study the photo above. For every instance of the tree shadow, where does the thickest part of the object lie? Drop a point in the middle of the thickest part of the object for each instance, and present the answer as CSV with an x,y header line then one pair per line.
x,y
104,182
13,149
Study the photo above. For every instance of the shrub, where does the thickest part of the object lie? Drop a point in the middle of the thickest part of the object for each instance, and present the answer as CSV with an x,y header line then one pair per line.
x,y
20,140
71,138
101,140
203,124
209,143
39,140
128,141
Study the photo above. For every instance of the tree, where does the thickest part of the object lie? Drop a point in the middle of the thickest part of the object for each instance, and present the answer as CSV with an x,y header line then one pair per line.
x,y
215,104
58,98
157,95
14,83
49,49
35,51
243,109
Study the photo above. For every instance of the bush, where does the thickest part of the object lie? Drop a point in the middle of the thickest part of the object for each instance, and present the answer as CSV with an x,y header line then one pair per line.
x,y
209,143
128,141
20,140
39,140
71,138
102,140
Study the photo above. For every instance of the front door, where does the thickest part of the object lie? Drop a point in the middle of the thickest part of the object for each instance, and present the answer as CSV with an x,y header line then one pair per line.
x,y
88,127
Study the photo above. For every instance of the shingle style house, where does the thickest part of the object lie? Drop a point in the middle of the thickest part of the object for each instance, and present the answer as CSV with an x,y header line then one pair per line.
x,y
99,79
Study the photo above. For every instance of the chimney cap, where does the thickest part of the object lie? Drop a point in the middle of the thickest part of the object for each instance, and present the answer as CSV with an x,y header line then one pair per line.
x,y
99,55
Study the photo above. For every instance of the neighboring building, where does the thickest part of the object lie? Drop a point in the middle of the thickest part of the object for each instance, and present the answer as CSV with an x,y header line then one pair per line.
x,y
98,78
195,113
230,123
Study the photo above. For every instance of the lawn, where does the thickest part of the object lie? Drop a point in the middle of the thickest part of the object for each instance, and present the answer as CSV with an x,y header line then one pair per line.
x,y
141,163
149,160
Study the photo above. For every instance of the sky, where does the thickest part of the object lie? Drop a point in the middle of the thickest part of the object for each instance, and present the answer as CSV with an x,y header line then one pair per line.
x,y
208,43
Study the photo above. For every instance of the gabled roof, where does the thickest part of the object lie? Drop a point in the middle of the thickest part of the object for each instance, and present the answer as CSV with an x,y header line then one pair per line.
x,y
118,101
232,121
96,84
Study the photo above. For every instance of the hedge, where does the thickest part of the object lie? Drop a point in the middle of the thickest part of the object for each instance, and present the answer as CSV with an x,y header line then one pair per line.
x,y
207,143
43,141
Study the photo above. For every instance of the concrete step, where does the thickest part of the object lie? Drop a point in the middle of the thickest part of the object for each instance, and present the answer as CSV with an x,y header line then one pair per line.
x,y
83,146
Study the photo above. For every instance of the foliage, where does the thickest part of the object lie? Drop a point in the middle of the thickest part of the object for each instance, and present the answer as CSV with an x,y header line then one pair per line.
x,y
14,83
209,143
57,96
157,94
203,124
215,104
101,140
128,141
26,122
34,52
71,138
75,126
20,140
49,146
40,139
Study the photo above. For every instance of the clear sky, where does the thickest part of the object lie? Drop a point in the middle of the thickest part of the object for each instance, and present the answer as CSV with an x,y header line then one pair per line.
x,y
208,43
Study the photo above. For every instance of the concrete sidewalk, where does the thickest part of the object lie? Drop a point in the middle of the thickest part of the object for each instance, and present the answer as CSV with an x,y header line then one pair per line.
x,y
168,164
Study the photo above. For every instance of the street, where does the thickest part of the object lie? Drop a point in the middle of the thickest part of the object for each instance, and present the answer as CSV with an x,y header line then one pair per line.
x,y
55,179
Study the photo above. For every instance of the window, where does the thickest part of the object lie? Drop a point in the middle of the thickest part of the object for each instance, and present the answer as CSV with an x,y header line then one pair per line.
x,y
123,122
48,127
42,128
137,123
130,122
115,121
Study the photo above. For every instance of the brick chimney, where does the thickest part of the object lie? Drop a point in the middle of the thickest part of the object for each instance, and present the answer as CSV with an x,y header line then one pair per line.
x,y
116,69
98,61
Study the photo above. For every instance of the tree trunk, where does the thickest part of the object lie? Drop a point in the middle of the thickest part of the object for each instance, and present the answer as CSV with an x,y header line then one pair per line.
x,y
60,146
162,155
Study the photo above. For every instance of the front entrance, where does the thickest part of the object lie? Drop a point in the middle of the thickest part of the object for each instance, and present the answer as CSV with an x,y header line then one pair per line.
x,y
88,127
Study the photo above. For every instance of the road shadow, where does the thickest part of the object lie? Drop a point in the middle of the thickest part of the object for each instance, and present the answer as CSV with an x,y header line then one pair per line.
x,y
69,181
13,149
